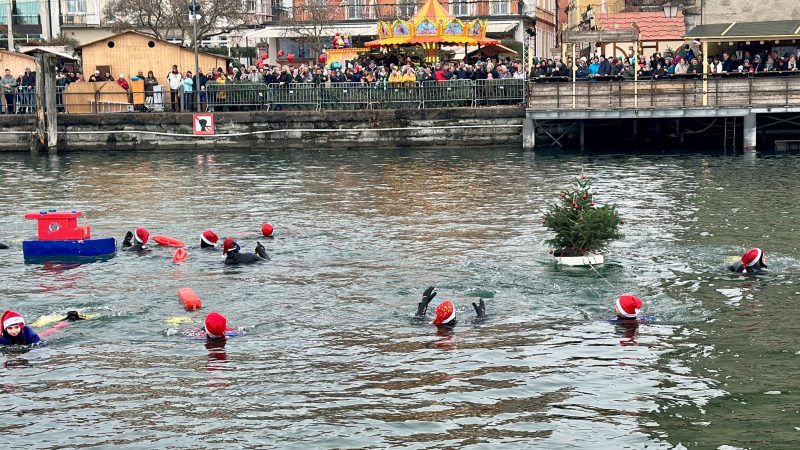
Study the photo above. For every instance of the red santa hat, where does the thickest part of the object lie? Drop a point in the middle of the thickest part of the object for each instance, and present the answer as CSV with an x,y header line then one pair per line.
x,y
752,257
215,325
209,237
229,245
12,318
267,229
628,306
445,312
141,235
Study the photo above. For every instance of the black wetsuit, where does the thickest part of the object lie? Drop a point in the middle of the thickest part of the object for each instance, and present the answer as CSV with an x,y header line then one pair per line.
x,y
236,257
3,246
134,246
204,244
738,267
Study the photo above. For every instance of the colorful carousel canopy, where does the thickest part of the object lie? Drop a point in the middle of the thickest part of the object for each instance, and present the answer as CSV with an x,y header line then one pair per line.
x,y
432,24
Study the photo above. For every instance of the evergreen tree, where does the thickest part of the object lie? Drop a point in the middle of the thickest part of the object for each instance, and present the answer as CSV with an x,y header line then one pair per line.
x,y
580,226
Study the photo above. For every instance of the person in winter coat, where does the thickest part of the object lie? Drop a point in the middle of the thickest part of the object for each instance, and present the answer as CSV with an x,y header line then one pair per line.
x,y
174,80
8,84
15,332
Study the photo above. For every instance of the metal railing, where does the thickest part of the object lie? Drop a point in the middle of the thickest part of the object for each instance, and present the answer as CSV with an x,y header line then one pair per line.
x,y
352,96
680,92
246,96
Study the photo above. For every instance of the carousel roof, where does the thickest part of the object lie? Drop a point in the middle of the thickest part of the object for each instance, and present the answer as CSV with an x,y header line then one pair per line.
x,y
432,24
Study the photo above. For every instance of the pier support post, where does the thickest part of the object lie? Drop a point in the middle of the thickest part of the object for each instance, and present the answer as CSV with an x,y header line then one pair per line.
x,y
49,75
583,140
749,132
528,134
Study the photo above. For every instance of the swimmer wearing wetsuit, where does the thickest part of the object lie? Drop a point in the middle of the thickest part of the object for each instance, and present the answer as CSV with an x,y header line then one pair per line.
x,y
208,239
445,311
3,246
753,261
233,254
140,238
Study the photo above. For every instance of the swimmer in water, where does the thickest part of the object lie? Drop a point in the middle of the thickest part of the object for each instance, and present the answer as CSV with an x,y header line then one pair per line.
x,y
140,238
233,255
3,246
753,261
445,311
208,239
15,332
216,327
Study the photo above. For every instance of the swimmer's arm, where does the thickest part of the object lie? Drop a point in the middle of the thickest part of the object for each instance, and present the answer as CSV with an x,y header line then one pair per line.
x,y
480,308
427,296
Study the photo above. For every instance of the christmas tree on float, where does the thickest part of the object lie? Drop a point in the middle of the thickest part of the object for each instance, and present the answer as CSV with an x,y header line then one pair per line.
x,y
580,226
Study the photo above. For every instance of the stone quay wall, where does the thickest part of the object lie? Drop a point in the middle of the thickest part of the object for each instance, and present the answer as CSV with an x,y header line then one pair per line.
x,y
317,130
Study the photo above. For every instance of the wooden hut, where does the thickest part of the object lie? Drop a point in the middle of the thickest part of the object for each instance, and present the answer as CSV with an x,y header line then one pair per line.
x,y
16,62
129,52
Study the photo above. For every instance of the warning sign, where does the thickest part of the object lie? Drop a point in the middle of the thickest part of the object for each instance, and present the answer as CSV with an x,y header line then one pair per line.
x,y
203,124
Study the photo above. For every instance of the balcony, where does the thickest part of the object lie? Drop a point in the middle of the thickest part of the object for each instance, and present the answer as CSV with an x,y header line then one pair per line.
x,y
70,20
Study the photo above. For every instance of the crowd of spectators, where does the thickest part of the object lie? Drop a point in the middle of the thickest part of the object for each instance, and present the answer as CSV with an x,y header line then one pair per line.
x,y
659,66
186,88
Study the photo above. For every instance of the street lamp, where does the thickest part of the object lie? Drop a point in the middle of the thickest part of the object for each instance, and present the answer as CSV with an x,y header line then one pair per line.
x,y
194,15
670,9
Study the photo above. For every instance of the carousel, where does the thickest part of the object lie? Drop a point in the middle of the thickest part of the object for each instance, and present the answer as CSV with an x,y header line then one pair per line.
x,y
431,28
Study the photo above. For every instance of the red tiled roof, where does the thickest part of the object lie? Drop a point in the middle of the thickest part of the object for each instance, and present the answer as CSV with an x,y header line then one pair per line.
x,y
653,26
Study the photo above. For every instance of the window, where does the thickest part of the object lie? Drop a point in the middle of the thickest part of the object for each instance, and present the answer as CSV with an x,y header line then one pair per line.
x,y
76,6
250,6
500,7
355,9
26,12
406,8
459,7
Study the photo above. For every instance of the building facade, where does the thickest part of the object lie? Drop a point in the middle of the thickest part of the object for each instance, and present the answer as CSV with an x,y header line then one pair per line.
x,y
703,12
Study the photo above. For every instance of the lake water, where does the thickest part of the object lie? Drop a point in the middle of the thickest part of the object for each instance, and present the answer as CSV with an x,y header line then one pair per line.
x,y
331,356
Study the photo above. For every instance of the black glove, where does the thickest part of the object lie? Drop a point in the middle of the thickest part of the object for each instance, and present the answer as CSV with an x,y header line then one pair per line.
x,y
427,296
127,241
261,251
480,308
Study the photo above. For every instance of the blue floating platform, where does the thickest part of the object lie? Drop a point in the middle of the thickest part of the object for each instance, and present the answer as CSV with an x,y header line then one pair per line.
x,y
84,248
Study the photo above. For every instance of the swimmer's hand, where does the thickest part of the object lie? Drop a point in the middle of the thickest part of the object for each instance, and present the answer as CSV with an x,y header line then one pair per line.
x,y
127,241
261,251
480,308
427,296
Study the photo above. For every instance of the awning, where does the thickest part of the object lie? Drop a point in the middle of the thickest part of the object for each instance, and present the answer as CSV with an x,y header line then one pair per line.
x,y
732,31
500,27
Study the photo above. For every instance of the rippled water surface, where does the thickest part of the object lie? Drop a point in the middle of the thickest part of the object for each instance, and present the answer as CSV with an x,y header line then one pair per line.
x,y
331,356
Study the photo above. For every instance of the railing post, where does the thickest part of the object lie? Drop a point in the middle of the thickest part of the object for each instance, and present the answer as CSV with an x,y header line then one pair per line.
x,y
786,91
749,89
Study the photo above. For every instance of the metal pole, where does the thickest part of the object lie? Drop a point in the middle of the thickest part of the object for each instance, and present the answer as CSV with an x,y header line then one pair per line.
x,y
10,30
196,93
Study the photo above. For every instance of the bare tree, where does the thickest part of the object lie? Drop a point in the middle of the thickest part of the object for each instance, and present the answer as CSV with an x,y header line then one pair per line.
x,y
170,18
313,22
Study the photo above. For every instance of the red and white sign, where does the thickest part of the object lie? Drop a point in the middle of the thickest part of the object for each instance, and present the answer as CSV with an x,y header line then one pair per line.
x,y
203,124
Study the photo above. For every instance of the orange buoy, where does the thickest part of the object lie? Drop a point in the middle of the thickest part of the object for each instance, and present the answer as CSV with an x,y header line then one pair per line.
x,y
189,299
168,241
180,256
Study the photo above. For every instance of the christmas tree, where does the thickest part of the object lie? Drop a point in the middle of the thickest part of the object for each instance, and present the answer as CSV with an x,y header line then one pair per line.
x,y
580,226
